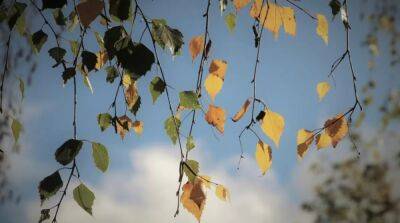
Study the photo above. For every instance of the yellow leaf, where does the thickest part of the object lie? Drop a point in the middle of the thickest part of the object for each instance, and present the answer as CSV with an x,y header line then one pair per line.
x,y
289,21
101,59
222,193
131,95
218,68
273,124
240,3
126,80
196,46
242,111
336,128
323,89
274,18
124,124
322,27
138,127
213,85
206,181
256,8
304,140
193,198
215,116
323,140
263,156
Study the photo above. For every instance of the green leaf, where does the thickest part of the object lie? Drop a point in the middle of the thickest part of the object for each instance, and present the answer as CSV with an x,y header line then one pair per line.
x,y
84,197
16,11
16,128
68,151
172,131
230,21
156,87
166,36
38,39
189,100
193,171
21,24
100,156
104,121
89,60
74,46
190,143
53,4
136,59
120,9
44,215
112,73
49,186
59,17
68,73
57,53
21,88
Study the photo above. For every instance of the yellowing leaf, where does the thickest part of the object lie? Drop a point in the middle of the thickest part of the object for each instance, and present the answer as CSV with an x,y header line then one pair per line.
x,y
124,124
242,111
322,27
273,124
289,21
222,192
263,156
196,46
256,8
206,181
89,10
138,127
213,85
131,95
304,140
323,140
274,18
240,3
218,68
336,128
101,59
323,89
193,198
215,116
126,80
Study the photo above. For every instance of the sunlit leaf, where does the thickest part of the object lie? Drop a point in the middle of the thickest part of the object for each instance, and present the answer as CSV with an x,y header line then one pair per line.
x,y
323,89
16,128
191,169
222,192
100,156
323,140
274,18
89,10
337,128
218,68
322,27
167,37
131,95
242,111
289,20
304,140
273,125
137,127
263,156
101,59
215,116
193,198
104,121
189,100
84,197
49,186
170,128
222,5
68,151
230,21
213,85
196,46
240,3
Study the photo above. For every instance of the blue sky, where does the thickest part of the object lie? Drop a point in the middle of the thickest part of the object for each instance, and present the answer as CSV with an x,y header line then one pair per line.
x,y
289,71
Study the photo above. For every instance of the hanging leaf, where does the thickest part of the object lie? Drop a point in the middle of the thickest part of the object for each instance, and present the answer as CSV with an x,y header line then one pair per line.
x,y
304,139
322,27
335,7
68,73
222,192
21,25
16,11
84,197
100,156
263,156
272,125
49,186
193,198
74,45
53,4
218,68
323,89
87,82
38,39
257,11
189,100
89,10
170,128
112,73
102,59
239,4
124,124
190,143
68,151
111,36
289,20
120,9
156,87
222,5
89,60
131,95
57,53
59,17
336,128
230,21
213,85
16,128
136,59
138,127
104,121
242,111
191,169
323,140
196,46
215,116
166,36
